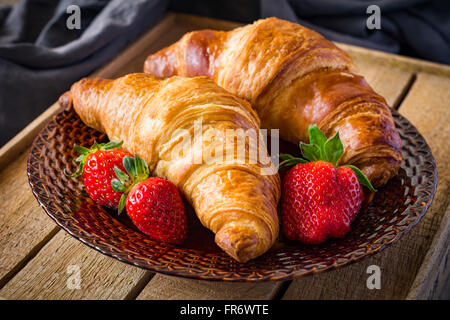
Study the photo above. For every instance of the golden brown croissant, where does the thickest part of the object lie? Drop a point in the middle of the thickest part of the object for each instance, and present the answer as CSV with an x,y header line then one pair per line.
x,y
293,77
235,199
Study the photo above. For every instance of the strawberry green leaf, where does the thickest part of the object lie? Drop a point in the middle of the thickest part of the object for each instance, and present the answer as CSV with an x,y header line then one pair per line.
x,y
146,169
86,151
316,136
95,146
129,165
285,156
291,163
122,202
362,178
288,161
138,165
310,151
76,174
122,176
111,145
333,149
136,170
117,185
82,150
319,148
142,170
81,160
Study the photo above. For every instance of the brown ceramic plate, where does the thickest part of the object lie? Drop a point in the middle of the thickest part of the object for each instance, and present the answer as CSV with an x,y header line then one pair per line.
x,y
394,210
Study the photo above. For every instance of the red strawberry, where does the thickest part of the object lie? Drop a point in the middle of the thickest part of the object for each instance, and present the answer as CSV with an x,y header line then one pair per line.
x,y
154,204
320,200
156,208
97,167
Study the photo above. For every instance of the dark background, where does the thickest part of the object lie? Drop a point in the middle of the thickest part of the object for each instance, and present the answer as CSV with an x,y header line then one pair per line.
x,y
40,58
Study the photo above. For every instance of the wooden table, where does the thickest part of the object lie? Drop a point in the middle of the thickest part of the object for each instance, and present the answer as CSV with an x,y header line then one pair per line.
x,y
36,256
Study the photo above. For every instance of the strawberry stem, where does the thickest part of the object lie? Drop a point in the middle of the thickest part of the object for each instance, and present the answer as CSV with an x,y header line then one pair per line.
x,y
136,171
87,151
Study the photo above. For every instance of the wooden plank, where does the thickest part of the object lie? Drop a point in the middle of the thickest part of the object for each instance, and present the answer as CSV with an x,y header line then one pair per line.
x,y
401,62
194,22
391,83
24,228
426,106
52,274
432,281
163,287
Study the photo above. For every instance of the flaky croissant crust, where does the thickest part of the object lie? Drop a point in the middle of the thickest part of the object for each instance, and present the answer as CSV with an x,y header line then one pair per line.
x,y
293,77
235,200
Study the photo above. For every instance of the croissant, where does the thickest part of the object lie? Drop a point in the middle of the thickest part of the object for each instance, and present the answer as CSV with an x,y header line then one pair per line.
x,y
237,200
293,77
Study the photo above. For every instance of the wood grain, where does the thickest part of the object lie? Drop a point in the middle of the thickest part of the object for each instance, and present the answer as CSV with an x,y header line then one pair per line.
x,y
163,287
433,278
391,83
426,106
24,228
401,62
48,275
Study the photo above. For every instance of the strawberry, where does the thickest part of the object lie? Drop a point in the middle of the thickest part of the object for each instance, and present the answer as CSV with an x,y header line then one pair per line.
x,y
154,204
97,167
320,200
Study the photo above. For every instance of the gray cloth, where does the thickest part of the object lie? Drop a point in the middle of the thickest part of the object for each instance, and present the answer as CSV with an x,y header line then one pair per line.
x,y
40,57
